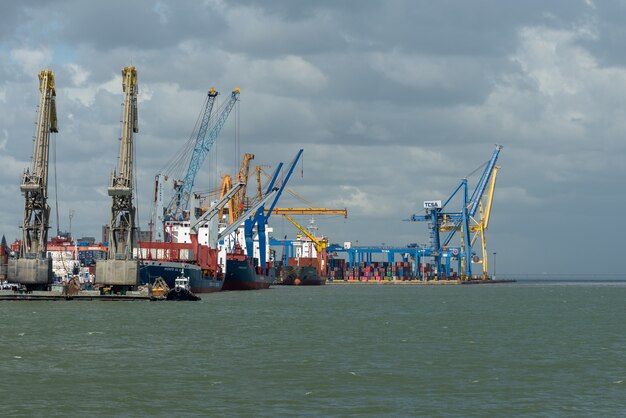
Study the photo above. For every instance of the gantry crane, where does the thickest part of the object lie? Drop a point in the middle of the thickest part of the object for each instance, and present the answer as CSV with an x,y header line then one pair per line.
x,y
121,268
259,220
34,269
463,220
319,244
310,211
177,209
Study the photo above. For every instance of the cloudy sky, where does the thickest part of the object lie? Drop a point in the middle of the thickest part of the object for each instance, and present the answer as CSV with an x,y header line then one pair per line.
x,y
393,102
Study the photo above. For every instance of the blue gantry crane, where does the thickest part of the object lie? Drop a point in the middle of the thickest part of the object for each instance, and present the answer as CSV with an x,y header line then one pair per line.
x,y
443,220
261,217
177,209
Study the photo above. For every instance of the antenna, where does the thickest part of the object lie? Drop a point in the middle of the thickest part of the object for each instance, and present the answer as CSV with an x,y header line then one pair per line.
x,y
71,215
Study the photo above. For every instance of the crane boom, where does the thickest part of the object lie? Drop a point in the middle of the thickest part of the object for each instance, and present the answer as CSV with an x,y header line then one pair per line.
x,y
482,183
309,211
122,225
319,245
34,183
204,141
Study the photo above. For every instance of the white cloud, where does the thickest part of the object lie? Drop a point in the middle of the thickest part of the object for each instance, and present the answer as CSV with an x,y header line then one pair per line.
x,y
78,73
31,61
86,94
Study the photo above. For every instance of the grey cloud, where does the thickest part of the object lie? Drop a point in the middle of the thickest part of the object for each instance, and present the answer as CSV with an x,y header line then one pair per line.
x,y
394,102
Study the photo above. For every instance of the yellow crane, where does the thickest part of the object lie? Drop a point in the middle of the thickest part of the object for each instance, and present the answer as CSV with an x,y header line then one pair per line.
x,y
34,269
259,192
319,244
481,226
237,203
309,211
478,227
242,177
121,270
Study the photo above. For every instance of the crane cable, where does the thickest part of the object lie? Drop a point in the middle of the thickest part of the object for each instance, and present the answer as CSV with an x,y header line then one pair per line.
x,y
56,195
291,192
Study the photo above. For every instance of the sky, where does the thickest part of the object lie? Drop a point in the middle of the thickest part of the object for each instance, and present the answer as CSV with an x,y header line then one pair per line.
x,y
393,102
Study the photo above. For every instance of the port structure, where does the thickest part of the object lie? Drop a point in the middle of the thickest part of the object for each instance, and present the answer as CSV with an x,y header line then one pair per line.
x,y
463,221
206,135
121,268
319,244
261,217
34,268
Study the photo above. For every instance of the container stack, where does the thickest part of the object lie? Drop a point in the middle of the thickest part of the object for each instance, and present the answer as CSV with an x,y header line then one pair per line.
x,y
375,271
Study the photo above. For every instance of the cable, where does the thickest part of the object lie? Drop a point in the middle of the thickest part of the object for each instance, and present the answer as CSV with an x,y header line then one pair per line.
x,y
56,195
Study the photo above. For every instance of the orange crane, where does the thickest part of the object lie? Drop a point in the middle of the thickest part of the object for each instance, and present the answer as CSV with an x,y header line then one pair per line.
x,y
237,203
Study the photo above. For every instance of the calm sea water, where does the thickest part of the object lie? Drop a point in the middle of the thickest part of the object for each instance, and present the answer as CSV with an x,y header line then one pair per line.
x,y
531,349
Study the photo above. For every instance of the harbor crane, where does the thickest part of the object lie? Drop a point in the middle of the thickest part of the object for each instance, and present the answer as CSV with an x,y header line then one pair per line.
x,y
178,207
34,269
319,244
121,268
260,218
236,205
440,219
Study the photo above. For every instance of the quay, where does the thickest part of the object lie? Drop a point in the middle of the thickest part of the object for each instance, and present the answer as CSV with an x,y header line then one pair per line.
x,y
82,295
415,282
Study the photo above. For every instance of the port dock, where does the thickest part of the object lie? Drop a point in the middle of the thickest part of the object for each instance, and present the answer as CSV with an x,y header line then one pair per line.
x,y
6,295
417,282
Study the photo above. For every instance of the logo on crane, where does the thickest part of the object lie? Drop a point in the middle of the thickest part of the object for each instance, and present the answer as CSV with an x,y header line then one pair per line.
x,y
432,204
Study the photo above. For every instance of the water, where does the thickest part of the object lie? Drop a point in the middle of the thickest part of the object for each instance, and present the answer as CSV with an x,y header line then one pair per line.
x,y
532,349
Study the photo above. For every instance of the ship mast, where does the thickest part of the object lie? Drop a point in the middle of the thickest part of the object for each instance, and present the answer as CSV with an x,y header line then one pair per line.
x,y
34,184
122,225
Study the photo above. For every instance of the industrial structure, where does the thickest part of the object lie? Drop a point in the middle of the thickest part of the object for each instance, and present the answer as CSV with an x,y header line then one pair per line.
x,y
34,268
122,267
237,204
463,220
259,221
308,249
191,158
230,236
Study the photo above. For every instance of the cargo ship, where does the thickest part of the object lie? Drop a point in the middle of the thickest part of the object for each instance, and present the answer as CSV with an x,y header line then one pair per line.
x,y
308,266
241,274
300,276
150,270
170,260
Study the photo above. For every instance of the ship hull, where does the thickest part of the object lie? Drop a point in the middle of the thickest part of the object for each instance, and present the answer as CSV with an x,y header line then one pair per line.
x,y
149,270
300,276
240,275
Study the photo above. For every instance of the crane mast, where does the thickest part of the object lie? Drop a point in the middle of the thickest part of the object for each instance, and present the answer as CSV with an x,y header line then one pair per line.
x,y
34,269
120,272
122,225
34,184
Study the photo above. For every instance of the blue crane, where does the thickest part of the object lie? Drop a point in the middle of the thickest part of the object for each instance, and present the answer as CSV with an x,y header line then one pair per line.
x,y
441,220
179,205
260,218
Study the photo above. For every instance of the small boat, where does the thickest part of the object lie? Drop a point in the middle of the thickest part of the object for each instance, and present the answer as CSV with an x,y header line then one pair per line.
x,y
181,290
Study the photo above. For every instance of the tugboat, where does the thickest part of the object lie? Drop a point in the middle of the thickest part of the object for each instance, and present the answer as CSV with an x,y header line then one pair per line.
x,y
181,290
